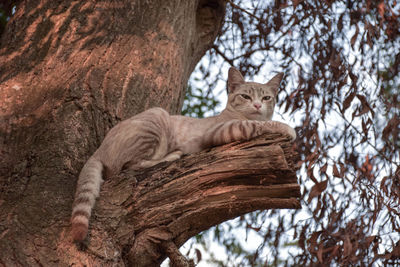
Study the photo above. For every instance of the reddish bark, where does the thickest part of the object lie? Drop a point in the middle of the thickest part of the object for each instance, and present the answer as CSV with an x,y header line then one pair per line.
x,y
69,71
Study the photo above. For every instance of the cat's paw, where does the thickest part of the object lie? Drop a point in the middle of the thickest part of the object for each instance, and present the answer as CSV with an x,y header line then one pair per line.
x,y
170,157
282,128
292,133
173,156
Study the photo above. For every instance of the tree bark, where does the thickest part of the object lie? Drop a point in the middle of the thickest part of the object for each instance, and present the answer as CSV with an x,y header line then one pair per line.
x,y
69,71
148,211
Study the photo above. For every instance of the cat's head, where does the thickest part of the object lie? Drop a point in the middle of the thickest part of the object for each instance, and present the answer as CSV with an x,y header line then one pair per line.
x,y
255,101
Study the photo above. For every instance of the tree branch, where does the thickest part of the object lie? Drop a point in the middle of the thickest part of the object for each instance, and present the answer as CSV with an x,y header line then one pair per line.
x,y
152,211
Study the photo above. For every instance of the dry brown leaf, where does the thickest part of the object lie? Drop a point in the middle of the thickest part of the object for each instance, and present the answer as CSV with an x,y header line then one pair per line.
x,y
347,101
317,189
381,9
336,171
354,38
347,247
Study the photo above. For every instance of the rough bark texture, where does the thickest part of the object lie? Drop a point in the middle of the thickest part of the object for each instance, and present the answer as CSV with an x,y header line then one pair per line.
x,y
172,202
69,71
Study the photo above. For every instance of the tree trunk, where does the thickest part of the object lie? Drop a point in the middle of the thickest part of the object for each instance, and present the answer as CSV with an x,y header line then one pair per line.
x,y
69,71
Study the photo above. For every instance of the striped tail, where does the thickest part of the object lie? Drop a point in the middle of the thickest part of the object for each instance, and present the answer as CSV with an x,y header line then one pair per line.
x,y
87,191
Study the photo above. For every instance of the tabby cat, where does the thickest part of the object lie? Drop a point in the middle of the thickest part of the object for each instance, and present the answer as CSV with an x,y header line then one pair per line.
x,y
154,136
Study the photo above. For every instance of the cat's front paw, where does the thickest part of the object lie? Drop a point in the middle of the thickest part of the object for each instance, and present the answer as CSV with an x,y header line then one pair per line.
x,y
173,156
282,128
291,133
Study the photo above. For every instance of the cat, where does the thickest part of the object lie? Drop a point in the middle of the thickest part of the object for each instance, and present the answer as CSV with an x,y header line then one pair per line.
x,y
154,136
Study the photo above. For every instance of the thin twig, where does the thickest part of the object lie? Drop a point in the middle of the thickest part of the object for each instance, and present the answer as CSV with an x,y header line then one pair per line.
x,y
243,10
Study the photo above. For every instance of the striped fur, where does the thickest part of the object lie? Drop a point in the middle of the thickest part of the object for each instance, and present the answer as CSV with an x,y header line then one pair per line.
x,y
154,136
87,191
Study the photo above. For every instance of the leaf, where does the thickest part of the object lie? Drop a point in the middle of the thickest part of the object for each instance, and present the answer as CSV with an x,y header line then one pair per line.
x,y
198,254
335,251
367,166
302,238
364,127
362,98
381,9
369,239
335,60
332,200
340,22
392,123
369,40
354,38
336,171
396,250
383,184
319,253
323,169
347,247
295,3
317,189
313,238
347,101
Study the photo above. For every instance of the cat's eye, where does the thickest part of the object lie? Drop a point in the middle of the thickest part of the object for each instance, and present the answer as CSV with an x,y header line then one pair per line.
x,y
266,98
245,96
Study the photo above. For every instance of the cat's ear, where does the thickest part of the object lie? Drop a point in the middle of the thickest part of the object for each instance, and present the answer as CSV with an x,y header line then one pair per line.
x,y
235,78
275,82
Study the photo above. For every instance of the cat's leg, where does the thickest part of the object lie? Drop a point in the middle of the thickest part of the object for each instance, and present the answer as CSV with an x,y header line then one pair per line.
x,y
277,127
169,157
237,130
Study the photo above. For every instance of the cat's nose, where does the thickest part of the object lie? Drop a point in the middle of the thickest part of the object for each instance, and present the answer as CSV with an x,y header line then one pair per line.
x,y
257,105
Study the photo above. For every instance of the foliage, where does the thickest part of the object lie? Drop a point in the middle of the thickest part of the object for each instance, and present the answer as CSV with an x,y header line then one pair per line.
x,y
198,102
342,60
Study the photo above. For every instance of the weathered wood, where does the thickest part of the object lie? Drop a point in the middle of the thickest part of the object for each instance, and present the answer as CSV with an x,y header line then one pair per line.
x,y
144,211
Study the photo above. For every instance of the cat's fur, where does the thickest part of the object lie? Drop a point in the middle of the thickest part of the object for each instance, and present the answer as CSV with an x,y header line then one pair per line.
x,y
154,136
